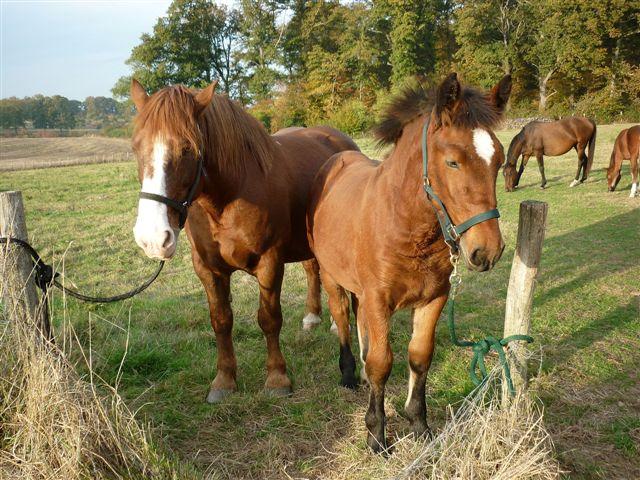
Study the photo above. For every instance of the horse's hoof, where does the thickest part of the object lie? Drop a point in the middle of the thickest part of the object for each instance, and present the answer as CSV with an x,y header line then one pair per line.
x,y
543,187
378,447
279,392
351,382
574,183
310,321
334,328
218,394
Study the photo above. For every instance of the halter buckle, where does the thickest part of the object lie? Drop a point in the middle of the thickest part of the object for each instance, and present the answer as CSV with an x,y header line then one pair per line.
x,y
425,181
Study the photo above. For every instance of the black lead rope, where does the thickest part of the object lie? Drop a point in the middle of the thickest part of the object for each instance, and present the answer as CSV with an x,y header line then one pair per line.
x,y
46,276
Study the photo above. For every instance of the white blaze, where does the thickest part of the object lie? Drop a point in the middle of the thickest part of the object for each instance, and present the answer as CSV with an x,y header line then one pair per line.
x,y
483,144
152,223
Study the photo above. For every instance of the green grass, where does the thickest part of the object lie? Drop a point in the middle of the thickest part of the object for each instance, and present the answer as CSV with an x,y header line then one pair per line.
x,y
585,322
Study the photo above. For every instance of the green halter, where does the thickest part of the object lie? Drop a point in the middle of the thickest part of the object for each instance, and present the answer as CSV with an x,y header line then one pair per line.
x,y
450,231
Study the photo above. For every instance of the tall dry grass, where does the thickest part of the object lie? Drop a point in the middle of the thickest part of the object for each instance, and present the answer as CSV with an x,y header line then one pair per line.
x,y
56,425
482,439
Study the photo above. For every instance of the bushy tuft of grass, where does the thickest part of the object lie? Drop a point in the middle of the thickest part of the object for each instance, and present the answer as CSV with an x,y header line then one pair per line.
x,y
56,425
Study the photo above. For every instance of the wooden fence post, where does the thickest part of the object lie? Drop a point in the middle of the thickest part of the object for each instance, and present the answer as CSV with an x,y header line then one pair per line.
x,y
517,319
18,287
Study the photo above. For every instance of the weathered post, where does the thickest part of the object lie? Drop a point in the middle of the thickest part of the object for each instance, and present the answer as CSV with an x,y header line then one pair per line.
x,y
18,287
524,269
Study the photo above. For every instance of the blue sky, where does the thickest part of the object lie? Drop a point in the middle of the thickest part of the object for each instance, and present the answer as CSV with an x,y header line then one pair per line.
x,y
70,48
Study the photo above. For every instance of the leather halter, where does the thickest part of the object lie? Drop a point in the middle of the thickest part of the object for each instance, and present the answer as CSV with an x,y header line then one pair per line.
x,y
181,207
450,231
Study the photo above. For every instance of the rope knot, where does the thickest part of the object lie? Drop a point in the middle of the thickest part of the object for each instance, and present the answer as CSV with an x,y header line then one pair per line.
x,y
44,275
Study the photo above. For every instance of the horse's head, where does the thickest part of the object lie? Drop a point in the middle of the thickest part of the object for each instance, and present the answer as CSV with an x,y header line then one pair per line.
x,y
167,143
464,159
613,173
510,173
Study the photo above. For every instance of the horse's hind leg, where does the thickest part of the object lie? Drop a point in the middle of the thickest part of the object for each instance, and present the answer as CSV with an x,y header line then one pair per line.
x,y
339,307
420,355
363,336
582,166
314,305
269,274
217,288
543,181
634,175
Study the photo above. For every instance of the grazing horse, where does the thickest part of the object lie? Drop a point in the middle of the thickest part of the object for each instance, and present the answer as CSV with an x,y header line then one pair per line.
x,y
551,139
246,193
387,249
627,147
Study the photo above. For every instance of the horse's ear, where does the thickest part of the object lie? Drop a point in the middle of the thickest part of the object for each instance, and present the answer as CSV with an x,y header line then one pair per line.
x,y
204,97
500,93
138,94
447,96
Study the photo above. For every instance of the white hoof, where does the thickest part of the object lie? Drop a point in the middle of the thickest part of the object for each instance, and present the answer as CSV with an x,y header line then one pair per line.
x,y
310,321
334,327
574,183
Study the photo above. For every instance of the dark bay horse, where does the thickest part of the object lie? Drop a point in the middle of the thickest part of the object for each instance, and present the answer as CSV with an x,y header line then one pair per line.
x,y
246,194
627,147
376,235
551,139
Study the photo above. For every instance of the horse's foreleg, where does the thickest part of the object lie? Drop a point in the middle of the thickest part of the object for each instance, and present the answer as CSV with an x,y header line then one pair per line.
x,y
543,181
379,361
314,305
523,164
269,274
217,288
420,355
582,166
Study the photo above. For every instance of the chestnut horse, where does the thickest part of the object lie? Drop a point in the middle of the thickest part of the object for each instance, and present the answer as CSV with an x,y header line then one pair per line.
x,y
551,139
390,252
248,194
627,147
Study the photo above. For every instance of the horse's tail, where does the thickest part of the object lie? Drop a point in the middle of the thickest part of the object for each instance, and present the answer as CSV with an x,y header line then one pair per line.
x,y
592,148
515,147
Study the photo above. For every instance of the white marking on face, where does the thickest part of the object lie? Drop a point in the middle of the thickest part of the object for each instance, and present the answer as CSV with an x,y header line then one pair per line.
x,y
153,232
483,144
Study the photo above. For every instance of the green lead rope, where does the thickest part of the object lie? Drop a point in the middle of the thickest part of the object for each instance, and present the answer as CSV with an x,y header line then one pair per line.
x,y
480,348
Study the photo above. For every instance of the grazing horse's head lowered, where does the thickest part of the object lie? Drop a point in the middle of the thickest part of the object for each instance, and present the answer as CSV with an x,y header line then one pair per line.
x,y
168,145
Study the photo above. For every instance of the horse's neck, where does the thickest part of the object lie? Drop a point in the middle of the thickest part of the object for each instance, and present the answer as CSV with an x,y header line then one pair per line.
x,y
402,173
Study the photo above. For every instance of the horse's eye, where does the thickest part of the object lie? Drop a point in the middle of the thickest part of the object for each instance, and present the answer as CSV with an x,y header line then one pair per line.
x,y
452,164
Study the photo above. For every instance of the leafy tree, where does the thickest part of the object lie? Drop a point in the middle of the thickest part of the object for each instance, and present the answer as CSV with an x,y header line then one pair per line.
x,y
489,34
261,41
412,36
193,44
12,114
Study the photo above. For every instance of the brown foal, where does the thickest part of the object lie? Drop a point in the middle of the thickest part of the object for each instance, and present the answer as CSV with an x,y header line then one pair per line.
x,y
389,252
551,139
250,193
627,147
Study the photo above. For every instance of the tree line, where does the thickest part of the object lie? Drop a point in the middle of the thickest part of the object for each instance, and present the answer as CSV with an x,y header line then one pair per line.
x,y
305,61
58,112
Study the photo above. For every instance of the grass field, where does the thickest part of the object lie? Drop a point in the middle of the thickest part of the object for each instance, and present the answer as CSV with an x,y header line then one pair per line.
x,y
30,153
586,323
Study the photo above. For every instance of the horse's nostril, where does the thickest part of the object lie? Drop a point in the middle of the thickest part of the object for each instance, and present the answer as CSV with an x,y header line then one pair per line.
x,y
476,256
168,239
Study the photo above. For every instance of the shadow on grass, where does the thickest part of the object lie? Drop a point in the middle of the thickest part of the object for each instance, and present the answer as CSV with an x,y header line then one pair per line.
x,y
613,245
